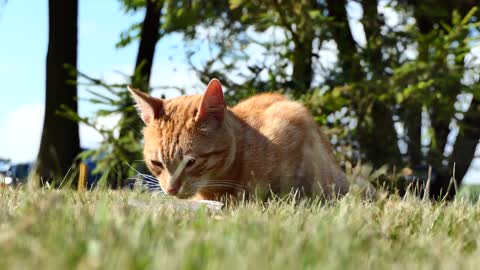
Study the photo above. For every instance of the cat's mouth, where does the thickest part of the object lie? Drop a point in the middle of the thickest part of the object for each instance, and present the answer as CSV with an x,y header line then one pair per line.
x,y
185,192
183,196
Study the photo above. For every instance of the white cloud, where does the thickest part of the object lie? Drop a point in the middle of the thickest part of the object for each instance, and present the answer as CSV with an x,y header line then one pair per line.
x,y
90,138
21,133
176,75
118,74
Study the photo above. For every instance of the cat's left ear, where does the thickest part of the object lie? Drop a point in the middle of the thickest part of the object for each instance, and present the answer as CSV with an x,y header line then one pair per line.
x,y
149,108
212,105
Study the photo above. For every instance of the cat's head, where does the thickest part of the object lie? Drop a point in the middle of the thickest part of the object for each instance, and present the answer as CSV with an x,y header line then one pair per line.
x,y
187,140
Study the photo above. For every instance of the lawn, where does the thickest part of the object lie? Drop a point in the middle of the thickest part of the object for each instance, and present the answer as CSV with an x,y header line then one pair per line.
x,y
131,230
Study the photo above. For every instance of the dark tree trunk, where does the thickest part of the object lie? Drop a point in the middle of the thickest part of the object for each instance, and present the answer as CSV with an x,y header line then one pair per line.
x,y
348,56
378,139
60,142
382,114
148,40
302,35
372,24
463,153
149,36
412,116
442,111
440,123
378,123
302,74
413,108
467,141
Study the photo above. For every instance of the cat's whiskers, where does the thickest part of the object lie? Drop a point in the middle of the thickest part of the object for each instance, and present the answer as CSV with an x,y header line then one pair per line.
x,y
219,183
144,176
149,177
148,182
151,184
221,186
226,182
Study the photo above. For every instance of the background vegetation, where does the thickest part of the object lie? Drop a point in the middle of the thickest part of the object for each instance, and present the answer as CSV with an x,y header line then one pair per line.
x,y
403,95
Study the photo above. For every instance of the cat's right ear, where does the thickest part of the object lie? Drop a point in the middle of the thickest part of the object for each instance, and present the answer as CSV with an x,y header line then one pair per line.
x,y
149,108
212,106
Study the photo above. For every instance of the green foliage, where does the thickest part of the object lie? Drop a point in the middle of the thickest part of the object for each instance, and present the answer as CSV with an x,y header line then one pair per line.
x,y
403,71
402,87
177,16
117,152
429,80
129,36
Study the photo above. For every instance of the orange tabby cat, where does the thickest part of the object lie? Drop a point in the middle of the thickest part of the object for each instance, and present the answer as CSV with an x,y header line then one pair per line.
x,y
199,148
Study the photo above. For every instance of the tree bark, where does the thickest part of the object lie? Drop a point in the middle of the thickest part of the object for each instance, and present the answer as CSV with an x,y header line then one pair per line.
x,y
302,36
60,143
378,140
372,24
148,40
413,107
442,111
302,74
376,123
412,117
149,36
467,141
463,153
348,56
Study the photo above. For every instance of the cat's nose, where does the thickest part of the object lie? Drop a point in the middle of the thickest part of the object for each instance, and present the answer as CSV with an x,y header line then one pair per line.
x,y
173,187
172,190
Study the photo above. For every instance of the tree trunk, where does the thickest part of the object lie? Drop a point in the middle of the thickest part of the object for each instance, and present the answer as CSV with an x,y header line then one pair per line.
x,y
372,24
412,117
302,74
302,33
378,122
467,141
348,56
148,40
378,139
130,122
463,153
413,107
442,111
60,143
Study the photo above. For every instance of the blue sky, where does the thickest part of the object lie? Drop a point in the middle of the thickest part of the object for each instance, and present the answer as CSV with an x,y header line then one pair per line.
x,y
24,32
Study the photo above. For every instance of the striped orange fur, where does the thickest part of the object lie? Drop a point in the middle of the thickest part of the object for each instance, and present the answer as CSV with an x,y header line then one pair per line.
x,y
199,148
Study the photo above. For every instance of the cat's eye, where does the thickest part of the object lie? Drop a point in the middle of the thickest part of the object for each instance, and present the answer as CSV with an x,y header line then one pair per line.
x,y
157,163
190,162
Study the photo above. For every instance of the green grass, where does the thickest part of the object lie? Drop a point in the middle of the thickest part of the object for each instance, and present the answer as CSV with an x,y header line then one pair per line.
x,y
105,230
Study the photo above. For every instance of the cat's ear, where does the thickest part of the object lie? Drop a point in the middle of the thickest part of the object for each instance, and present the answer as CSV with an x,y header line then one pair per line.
x,y
212,105
148,107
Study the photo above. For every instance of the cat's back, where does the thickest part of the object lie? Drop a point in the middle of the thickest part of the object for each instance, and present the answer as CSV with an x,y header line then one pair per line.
x,y
272,111
283,132
258,103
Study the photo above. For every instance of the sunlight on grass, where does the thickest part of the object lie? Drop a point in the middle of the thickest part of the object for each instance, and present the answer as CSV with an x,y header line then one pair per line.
x,y
105,230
